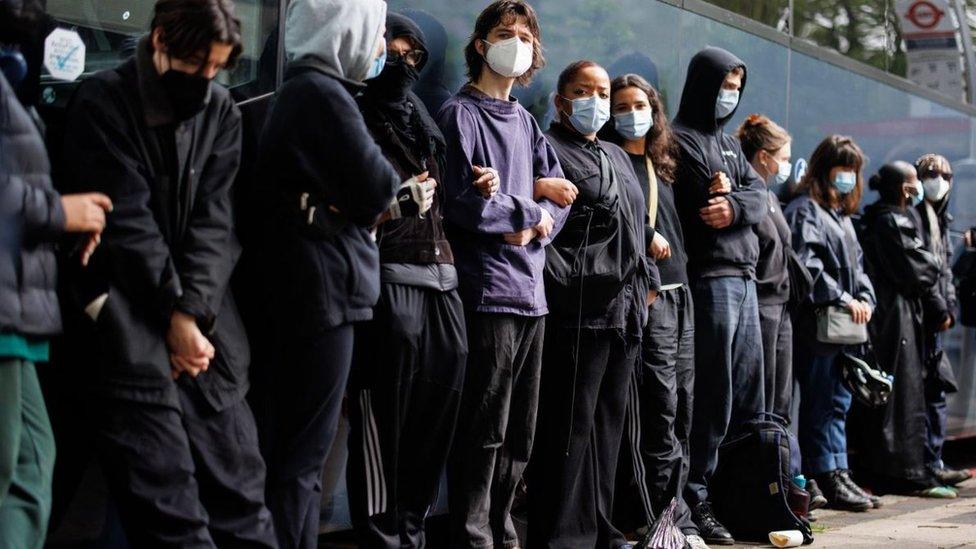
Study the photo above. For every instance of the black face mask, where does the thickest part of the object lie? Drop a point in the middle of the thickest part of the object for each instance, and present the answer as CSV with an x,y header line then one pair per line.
x,y
395,80
187,93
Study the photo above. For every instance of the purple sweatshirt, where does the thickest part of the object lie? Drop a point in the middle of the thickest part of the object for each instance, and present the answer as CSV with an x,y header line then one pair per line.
x,y
496,277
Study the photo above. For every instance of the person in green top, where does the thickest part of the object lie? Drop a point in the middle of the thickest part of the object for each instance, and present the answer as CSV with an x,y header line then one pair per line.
x,y
33,216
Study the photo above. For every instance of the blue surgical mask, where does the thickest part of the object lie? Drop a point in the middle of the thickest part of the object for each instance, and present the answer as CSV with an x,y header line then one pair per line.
x,y
783,171
919,195
845,182
727,101
589,114
633,125
377,67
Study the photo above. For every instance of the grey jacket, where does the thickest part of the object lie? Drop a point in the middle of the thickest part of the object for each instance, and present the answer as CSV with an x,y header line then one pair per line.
x,y
31,220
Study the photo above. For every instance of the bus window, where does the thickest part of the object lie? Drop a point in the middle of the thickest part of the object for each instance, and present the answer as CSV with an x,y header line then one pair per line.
x,y
111,29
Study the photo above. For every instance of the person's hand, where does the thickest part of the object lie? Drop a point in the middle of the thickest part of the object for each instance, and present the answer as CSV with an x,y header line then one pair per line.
x,y
720,184
860,311
522,237
946,324
718,214
414,197
92,242
190,351
559,190
486,180
651,297
85,213
660,248
545,227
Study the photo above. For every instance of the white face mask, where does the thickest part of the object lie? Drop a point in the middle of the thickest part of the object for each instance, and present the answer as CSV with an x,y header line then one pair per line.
x,y
510,57
726,102
935,188
783,172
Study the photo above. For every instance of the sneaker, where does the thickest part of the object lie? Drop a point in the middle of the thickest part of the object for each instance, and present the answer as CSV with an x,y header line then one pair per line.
x,y
952,477
817,499
709,528
696,542
937,492
875,500
839,495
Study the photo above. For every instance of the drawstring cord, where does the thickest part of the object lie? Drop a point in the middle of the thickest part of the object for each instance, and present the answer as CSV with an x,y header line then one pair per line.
x,y
581,256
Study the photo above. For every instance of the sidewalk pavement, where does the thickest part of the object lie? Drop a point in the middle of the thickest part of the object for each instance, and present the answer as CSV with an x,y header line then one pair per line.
x,y
902,523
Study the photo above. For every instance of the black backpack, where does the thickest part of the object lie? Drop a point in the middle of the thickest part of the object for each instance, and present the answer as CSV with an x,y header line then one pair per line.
x,y
753,480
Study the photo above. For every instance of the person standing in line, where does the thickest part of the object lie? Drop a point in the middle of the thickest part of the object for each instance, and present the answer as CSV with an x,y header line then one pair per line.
x,y
720,200
663,393
327,183
905,275
825,242
499,249
767,147
935,173
33,218
408,362
174,434
593,331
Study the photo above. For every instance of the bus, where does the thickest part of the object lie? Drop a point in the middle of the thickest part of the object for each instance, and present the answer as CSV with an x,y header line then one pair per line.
x,y
814,67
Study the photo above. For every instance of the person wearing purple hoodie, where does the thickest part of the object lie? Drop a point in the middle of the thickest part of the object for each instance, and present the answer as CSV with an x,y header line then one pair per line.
x,y
499,165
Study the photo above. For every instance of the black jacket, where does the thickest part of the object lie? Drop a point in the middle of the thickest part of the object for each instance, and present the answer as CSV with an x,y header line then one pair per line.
x,y
31,220
772,272
705,149
627,312
903,273
169,243
673,270
826,244
315,141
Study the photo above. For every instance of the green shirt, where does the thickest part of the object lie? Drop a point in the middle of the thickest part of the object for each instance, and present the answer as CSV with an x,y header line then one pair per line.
x,y
27,348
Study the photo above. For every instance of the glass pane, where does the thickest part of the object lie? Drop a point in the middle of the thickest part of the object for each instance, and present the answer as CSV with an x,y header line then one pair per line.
x,y
865,30
111,29
775,13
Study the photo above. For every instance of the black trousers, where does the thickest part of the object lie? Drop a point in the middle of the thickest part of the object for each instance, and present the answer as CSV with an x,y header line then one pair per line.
x,y
581,421
184,478
777,338
496,427
658,422
404,392
307,404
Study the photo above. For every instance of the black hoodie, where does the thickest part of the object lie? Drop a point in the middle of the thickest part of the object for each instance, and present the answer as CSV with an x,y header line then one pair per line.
x,y
706,149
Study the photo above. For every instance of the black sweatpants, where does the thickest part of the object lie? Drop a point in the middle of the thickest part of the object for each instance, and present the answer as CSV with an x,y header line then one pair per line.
x,y
308,401
404,392
581,421
777,336
184,478
496,427
659,412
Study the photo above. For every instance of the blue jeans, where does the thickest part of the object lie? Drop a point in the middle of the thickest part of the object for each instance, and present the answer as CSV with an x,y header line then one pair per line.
x,y
728,371
824,402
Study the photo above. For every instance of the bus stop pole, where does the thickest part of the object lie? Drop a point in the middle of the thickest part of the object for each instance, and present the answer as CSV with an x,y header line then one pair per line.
x,y
967,49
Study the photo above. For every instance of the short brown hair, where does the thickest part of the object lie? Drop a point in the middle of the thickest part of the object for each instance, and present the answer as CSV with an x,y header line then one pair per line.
x,y
497,13
659,142
931,162
833,151
189,27
759,133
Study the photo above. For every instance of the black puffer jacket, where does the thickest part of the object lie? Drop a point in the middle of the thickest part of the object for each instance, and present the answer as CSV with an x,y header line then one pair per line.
x,y
31,220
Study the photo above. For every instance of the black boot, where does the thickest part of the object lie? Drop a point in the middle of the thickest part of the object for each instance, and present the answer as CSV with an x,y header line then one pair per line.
x,y
710,529
952,477
817,499
846,476
839,495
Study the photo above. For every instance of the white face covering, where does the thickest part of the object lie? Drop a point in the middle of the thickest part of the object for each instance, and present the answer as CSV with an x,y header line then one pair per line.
x,y
935,188
510,57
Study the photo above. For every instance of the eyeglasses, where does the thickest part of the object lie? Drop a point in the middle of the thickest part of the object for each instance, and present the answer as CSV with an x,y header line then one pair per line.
x,y
412,57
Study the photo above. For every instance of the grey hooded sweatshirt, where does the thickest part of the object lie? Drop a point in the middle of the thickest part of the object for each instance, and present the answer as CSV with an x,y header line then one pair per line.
x,y
316,142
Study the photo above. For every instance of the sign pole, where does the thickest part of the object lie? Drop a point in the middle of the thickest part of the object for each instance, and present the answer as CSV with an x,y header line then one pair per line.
x,y
967,48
